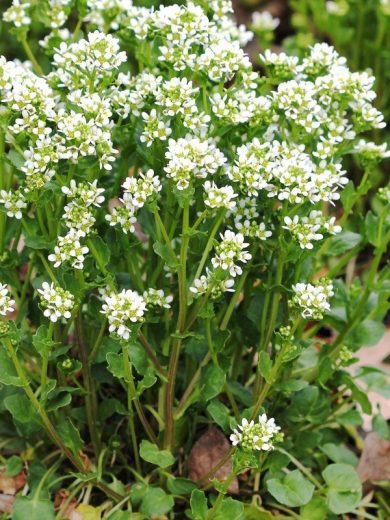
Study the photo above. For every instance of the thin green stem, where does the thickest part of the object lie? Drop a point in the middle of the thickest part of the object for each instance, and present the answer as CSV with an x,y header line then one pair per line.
x,y
129,378
31,57
209,244
90,393
3,216
181,324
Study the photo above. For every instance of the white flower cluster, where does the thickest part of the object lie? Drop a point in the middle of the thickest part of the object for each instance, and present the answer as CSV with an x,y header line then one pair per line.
x,y
14,202
211,284
137,191
190,158
7,304
122,309
264,21
256,436
307,230
18,13
286,172
312,300
56,302
229,251
157,298
79,219
219,197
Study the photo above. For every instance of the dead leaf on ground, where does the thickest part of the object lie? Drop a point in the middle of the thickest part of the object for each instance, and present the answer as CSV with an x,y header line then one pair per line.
x,y
11,485
60,499
374,462
6,503
207,451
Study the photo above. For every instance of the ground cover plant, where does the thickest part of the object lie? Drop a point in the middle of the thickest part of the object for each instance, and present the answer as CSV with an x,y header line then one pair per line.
x,y
186,275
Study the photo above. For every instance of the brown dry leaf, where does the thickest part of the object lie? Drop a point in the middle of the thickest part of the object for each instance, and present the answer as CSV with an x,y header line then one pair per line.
x,y
374,462
6,503
207,451
59,500
10,485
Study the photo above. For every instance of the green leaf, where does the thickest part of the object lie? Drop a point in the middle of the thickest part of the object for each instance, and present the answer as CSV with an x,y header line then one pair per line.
x,y
357,393
339,453
371,228
115,365
146,382
212,382
344,488
156,502
343,242
8,375
291,490
100,249
180,486
252,512
16,159
380,426
149,452
23,412
265,366
14,466
309,405
32,508
366,333
166,254
41,342
316,509
230,509
70,435
198,503
34,241
219,413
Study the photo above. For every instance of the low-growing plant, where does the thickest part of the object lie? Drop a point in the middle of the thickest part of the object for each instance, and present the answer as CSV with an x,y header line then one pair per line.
x,y
180,251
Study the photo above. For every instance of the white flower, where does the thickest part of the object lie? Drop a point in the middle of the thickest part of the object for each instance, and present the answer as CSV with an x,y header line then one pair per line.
x,y
156,297
229,251
219,197
312,299
122,309
256,436
211,284
14,202
7,305
70,249
57,302
264,21
87,193
18,13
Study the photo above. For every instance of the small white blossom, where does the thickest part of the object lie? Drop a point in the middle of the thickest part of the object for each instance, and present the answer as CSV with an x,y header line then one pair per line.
x,y
219,197
157,298
312,299
229,251
122,309
14,202
56,302
256,436
18,13
264,21
7,304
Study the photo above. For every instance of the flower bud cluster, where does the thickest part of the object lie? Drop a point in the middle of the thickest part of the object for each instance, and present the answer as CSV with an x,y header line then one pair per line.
x,y
307,230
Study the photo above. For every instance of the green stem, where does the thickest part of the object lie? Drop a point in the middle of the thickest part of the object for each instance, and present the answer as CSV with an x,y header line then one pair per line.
x,y
3,216
220,497
304,470
132,393
209,244
45,361
187,394
90,397
151,354
181,325
31,57
98,341
160,226
233,301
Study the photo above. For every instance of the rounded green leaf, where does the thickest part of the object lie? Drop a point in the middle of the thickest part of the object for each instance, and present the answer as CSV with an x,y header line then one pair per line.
x,y
292,490
344,488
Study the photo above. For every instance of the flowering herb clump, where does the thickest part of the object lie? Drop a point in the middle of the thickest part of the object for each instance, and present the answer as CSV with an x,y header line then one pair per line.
x,y
176,227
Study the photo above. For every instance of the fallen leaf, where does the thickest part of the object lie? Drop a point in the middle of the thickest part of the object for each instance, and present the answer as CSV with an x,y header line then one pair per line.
x,y
11,485
6,503
88,512
374,462
207,451
60,499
